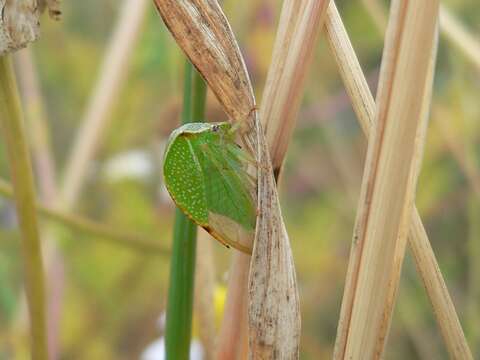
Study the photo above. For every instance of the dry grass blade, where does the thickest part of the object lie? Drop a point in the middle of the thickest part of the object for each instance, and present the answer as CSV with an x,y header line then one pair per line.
x,y
297,32
204,34
355,83
427,266
96,118
298,29
389,180
432,278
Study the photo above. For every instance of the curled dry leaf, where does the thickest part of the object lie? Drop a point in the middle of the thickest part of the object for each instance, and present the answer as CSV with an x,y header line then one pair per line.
x,y
19,24
274,310
202,31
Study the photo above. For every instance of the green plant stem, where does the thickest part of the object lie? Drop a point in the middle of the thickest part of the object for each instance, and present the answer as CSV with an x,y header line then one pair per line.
x,y
182,266
134,241
11,118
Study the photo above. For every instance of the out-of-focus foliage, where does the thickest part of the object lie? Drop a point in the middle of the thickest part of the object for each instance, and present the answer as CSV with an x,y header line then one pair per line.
x,y
112,296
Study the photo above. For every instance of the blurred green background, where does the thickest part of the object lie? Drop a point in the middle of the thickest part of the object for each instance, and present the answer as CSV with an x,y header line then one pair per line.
x,y
110,297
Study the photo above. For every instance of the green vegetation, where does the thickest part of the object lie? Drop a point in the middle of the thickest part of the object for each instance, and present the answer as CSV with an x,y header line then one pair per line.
x,y
182,266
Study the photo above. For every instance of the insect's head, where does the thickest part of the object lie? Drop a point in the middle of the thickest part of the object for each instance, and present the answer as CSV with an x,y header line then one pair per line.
x,y
222,129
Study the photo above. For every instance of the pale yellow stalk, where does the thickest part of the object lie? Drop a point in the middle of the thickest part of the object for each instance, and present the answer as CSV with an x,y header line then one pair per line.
x,y
297,32
389,182
364,107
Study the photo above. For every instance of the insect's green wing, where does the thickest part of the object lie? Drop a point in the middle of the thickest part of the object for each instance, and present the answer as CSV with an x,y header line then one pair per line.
x,y
208,182
227,187
184,178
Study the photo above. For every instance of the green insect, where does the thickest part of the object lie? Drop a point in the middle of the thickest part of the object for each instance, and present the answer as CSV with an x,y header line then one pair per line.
x,y
205,174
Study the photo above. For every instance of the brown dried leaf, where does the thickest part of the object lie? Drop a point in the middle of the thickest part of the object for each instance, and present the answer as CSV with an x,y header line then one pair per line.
x,y
202,31
274,307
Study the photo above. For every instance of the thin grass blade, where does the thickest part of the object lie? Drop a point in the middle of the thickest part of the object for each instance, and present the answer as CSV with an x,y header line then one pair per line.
x,y
182,266
11,119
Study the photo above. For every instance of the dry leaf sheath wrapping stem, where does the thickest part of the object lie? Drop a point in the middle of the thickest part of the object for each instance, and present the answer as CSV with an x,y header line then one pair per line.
x,y
389,181
299,25
364,107
297,32
202,31
11,118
